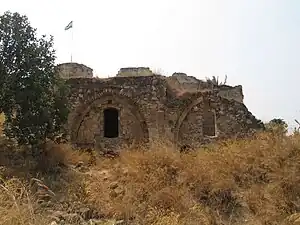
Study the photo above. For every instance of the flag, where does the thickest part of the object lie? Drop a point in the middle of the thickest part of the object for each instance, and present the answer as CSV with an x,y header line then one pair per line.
x,y
69,26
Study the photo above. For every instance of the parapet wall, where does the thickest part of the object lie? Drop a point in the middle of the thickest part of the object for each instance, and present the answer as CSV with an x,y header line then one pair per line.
x,y
179,82
135,72
74,70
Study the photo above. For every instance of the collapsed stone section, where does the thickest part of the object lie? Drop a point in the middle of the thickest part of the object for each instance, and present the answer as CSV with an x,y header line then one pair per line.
x,y
181,83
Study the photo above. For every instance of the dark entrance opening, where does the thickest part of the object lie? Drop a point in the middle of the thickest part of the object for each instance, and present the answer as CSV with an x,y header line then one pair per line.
x,y
111,123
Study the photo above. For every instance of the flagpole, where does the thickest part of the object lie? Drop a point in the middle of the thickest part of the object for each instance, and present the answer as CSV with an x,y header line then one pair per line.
x,y
70,26
72,44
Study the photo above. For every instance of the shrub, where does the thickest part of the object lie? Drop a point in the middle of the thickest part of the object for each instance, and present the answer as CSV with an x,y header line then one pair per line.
x,y
32,96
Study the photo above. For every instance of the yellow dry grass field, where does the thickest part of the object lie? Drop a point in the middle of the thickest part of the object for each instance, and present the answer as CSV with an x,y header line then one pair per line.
x,y
1,123
255,181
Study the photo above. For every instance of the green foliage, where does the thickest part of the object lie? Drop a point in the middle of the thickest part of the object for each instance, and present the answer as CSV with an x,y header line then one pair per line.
x,y
214,81
32,96
297,129
277,125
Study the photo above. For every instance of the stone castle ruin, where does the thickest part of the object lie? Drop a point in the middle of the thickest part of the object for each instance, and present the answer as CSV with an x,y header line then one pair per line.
x,y
137,106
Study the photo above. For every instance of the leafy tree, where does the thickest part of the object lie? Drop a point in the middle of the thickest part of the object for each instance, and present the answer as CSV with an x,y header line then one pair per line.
x,y
277,126
32,96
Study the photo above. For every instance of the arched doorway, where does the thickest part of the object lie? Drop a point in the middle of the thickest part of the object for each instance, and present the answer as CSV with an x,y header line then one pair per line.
x,y
108,122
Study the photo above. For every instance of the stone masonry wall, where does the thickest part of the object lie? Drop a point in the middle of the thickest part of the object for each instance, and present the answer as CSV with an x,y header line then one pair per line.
x,y
232,119
234,93
136,98
179,109
150,110
74,70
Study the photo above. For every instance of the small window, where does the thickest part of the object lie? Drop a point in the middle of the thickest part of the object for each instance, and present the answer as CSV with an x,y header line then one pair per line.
x,y
209,123
111,123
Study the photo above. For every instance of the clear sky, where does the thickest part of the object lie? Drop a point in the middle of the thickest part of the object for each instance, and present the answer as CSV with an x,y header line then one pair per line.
x,y
255,42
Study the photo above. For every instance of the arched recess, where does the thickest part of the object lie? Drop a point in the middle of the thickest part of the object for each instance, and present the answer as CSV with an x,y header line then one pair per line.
x,y
192,121
103,101
183,116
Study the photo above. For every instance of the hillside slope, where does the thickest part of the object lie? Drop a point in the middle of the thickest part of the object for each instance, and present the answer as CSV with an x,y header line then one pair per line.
x,y
253,181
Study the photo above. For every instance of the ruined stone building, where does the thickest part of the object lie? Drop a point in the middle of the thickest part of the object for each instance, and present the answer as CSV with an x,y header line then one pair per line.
x,y
137,106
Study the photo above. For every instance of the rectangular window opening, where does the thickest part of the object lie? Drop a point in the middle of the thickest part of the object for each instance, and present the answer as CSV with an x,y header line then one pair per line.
x,y
209,123
111,123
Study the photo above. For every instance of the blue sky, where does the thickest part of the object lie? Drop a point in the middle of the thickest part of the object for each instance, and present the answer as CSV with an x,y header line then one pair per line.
x,y
255,42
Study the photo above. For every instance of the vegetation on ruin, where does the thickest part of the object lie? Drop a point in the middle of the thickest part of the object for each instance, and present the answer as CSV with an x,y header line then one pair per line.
x,y
214,81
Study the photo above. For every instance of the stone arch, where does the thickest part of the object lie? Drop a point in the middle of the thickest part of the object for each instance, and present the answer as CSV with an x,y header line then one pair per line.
x,y
183,116
105,99
204,105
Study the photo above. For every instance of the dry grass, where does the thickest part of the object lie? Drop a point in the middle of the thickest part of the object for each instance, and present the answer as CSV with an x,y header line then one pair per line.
x,y
55,156
23,198
253,181
1,122
18,204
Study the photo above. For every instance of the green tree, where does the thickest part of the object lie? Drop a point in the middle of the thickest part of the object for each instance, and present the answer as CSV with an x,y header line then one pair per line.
x,y
277,126
32,96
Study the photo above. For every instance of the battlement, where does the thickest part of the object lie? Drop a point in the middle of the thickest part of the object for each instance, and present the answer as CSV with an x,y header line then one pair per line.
x,y
74,70
135,72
